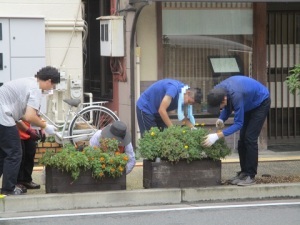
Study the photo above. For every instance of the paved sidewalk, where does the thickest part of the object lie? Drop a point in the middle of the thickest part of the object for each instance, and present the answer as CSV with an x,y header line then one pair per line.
x,y
274,164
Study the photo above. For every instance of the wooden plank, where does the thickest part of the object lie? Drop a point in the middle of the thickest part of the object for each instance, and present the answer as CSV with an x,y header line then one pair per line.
x,y
163,174
62,182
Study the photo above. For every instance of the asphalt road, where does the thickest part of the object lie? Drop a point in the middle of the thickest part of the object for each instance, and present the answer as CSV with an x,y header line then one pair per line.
x,y
234,213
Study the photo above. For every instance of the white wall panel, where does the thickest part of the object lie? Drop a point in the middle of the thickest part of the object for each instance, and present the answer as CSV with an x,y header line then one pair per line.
x,y
27,37
26,67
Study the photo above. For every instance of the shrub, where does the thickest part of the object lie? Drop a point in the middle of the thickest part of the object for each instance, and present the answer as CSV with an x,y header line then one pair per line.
x,y
293,80
103,161
180,143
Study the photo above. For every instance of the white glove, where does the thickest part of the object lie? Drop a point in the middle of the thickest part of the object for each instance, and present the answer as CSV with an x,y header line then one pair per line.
x,y
210,140
50,129
219,124
193,128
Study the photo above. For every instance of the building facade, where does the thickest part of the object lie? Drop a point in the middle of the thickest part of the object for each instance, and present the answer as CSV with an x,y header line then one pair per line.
x,y
198,42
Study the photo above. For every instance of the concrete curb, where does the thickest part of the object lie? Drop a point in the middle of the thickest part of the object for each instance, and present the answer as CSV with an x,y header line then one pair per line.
x,y
259,191
46,202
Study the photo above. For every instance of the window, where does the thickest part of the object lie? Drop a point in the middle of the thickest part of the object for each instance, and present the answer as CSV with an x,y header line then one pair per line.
x,y
198,35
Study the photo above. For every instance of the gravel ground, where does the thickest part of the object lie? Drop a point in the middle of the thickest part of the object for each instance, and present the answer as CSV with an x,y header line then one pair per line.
x,y
278,179
268,172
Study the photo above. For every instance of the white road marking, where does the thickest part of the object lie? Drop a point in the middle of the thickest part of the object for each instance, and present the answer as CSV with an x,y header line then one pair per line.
x,y
153,210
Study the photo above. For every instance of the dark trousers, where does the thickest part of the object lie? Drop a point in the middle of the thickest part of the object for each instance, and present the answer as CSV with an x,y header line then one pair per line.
x,y
27,164
248,142
146,121
10,156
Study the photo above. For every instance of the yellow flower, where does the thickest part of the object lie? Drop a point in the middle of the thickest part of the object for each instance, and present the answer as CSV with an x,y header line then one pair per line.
x,y
103,166
152,133
102,159
183,131
125,158
186,146
121,169
202,124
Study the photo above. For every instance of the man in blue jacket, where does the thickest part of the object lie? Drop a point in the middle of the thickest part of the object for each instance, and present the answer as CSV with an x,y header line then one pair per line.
x,y
162,97
250,101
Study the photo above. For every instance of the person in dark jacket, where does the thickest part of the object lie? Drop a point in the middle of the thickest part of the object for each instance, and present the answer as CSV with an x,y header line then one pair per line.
x,y
250,102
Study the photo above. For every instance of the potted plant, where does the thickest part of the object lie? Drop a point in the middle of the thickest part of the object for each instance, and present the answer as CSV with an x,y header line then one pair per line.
x,y
175,157
91,169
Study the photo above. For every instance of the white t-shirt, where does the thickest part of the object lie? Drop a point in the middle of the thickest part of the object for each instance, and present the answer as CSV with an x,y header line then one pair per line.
x,y
15,96
94,141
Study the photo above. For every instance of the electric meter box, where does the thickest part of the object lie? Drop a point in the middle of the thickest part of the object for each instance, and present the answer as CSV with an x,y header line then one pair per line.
x,y
112,36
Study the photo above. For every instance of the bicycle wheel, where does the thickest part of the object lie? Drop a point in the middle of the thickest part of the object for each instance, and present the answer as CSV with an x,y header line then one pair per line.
x,y
89,120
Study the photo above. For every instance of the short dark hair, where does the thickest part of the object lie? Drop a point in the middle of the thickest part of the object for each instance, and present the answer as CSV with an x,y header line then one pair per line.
x,y
197,94
47,73
216,96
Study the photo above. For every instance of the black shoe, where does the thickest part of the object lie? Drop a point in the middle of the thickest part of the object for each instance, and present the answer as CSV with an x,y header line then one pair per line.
x,y
16,191
22,187
31,185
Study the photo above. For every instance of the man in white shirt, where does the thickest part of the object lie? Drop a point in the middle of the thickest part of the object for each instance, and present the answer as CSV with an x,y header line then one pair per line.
x,y
20,99
117,130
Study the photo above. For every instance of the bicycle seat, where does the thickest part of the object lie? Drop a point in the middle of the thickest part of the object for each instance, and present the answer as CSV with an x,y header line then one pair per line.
x,y
72,102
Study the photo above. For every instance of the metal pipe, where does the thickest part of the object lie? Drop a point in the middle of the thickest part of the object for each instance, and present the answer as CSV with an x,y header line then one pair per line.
x,y
132,82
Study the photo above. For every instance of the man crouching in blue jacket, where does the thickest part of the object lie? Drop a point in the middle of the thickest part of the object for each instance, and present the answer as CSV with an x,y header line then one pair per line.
x,y
250,102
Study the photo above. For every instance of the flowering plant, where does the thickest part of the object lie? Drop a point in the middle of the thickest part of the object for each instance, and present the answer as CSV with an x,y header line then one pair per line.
x,y
103,161
180,143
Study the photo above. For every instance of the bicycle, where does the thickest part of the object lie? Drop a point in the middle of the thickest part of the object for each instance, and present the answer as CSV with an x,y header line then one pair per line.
x,y
84,122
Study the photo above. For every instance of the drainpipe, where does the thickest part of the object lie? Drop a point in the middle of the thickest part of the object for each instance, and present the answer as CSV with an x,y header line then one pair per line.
x,y
138,79
132,81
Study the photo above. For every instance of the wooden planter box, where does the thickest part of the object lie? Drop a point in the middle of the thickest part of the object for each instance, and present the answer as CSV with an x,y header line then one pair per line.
x,y
62,182
163,174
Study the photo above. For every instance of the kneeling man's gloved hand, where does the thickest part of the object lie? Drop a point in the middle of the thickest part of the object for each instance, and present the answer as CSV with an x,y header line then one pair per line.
x,y
210,140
